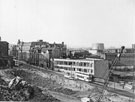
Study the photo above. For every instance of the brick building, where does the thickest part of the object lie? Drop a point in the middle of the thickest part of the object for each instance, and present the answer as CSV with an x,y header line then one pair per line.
x,y
4,48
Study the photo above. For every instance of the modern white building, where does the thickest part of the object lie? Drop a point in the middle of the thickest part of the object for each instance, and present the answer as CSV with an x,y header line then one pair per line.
x,y
82,68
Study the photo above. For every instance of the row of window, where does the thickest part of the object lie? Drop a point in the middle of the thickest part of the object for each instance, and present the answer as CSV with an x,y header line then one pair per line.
x,y
76,69
85,64
80,76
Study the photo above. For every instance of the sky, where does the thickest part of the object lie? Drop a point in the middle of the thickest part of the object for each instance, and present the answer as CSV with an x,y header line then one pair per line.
x,y
77,23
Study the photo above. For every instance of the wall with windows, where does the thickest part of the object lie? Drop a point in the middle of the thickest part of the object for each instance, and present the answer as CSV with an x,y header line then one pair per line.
x,y
79,66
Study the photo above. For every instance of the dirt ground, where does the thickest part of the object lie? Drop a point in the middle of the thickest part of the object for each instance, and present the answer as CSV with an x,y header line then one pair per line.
x,y
50,91
7,94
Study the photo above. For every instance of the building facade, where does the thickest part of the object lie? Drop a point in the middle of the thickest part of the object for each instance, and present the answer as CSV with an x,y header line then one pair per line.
x,y
4,46
40,52
58,50
82,68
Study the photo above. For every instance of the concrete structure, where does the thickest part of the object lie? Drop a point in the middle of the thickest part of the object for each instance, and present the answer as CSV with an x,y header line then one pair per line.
x,y
98,46
82,68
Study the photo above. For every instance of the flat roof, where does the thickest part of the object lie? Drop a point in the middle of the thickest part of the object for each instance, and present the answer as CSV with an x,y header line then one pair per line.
x,y
68,59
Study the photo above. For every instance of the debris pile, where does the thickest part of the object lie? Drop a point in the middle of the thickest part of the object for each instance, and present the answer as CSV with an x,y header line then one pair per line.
x,y
16,90
34,79
46,83
13,95
2,82
19,90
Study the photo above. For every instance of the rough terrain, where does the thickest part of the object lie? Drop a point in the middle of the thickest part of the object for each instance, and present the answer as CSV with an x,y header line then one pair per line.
x,y
51,88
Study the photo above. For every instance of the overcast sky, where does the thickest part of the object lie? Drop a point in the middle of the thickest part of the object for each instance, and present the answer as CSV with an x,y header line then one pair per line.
x,y
78,23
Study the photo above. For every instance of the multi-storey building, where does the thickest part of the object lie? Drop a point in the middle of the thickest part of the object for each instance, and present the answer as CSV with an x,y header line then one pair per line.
x,y
13,51
40,51
58,50
23,50
5,59
82,68
4,48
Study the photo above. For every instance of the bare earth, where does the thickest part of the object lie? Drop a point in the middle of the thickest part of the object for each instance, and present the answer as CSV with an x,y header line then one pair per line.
x,y
53,88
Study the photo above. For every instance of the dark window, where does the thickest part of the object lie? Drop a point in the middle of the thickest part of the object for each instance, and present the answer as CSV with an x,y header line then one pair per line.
x,y
79,69
70,63
85,70
73,63
74,69
91,70
65,63
84,64
68,73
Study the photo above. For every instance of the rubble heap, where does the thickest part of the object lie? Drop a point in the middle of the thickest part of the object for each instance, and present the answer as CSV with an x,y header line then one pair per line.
x,y
14,95
19,90
16,90
37,80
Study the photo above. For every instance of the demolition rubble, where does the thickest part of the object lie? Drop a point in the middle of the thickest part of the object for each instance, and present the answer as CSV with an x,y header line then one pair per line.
x,y
19,90
37,86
